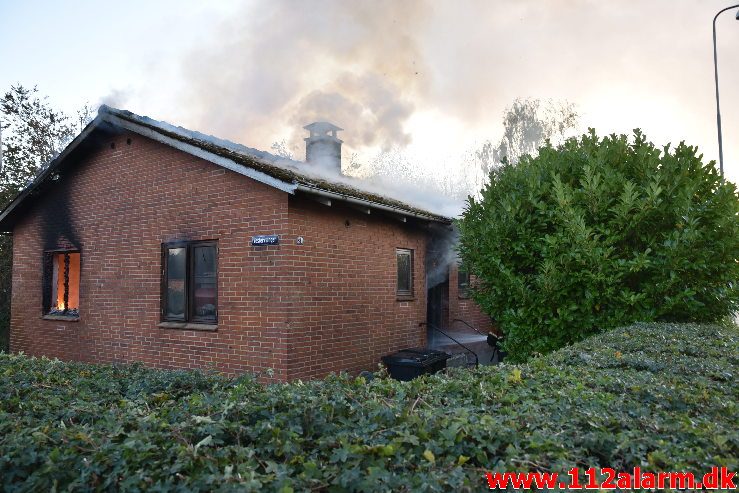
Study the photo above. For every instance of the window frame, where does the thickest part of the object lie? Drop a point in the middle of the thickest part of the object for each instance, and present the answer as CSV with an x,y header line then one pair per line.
x,y
404,294
49,283
190,317
463,292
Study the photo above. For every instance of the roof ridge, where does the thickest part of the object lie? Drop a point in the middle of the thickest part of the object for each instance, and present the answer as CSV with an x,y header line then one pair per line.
x,y
195,134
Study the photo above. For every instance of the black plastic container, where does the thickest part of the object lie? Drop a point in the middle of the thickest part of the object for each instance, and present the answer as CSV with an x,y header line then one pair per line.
x,y
408,364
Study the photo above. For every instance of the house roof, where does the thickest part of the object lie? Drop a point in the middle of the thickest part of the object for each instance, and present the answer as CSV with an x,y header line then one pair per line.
x,y
283,174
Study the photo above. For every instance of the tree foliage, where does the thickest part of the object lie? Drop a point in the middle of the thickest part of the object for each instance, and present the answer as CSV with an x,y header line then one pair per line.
x,y
282,149
33,132
599,233
527,125
82,427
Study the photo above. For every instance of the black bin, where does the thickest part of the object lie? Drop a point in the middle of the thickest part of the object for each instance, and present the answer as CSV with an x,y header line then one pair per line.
x,y
410,363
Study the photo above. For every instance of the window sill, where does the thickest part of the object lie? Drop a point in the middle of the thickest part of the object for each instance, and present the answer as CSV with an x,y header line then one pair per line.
x,y
405,297
188,326
63,318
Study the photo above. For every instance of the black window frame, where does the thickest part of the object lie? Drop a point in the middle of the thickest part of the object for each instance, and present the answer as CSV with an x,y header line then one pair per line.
x,y
402,293
463,288
190,317
48,283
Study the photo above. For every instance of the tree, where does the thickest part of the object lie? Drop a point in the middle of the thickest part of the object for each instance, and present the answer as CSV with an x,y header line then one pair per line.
x,y
33,133
527,125
282,149
598,233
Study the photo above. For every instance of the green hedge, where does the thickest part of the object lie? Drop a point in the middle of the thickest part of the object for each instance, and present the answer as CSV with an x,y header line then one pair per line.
x,y
663,397
599,233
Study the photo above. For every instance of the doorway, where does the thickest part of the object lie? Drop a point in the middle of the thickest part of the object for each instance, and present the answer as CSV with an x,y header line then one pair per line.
x,y
437,311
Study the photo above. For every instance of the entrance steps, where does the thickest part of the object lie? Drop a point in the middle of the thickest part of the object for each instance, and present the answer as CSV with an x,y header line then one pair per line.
x,y
460,356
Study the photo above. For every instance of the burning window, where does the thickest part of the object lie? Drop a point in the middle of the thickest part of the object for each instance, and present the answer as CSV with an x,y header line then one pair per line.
x,y
463,282
405,271
190,282
63,283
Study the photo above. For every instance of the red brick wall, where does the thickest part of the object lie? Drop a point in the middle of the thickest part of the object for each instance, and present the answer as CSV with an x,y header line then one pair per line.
x,y
302,310
346,314
123,204
465,308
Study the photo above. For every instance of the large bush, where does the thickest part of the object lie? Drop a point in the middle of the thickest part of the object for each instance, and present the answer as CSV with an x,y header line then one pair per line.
x,y
662,397
599,233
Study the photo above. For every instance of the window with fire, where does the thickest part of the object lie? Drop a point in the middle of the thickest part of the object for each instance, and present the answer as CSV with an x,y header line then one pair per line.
x,y
62,284
190,282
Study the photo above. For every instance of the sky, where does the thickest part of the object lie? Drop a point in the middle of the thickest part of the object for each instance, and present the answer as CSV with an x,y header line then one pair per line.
x,y
430,78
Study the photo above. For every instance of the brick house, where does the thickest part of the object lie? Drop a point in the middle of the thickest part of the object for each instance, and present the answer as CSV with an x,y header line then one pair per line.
x,y
147,242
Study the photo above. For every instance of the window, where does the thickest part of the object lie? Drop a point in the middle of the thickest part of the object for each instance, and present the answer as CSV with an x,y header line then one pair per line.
x,y
190,282
463,282
405,271
62,284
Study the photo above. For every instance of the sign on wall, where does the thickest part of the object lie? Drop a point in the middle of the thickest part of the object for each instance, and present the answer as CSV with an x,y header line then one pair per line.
x,y
261,240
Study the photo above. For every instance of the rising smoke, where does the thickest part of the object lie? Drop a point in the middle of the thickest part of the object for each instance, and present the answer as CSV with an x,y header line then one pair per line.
x,y
357,63
372,67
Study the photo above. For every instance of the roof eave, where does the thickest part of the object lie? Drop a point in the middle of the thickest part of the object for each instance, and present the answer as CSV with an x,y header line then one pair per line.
x,y
108,117
41,177
371,204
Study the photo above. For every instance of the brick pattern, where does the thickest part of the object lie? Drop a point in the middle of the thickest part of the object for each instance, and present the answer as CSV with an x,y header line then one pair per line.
x,y
465,308
345,310
301,310
118,206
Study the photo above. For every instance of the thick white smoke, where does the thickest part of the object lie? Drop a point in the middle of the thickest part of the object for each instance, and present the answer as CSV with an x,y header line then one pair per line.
x,y
284,64
400,75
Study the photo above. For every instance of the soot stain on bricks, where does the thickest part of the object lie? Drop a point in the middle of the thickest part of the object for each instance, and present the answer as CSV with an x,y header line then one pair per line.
x,y
58,226
58,229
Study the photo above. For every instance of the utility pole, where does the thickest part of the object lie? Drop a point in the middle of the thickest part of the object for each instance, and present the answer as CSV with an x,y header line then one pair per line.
x,y
715,73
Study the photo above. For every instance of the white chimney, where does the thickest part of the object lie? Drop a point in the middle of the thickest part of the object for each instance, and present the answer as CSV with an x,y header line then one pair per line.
x,y
323,147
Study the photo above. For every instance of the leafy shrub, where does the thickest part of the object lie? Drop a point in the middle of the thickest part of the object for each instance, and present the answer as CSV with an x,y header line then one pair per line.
x,y
4,331
662,397
599,233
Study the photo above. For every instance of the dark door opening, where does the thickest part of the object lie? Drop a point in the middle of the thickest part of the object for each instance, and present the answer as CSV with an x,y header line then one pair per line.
x,y
437,311
439,249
